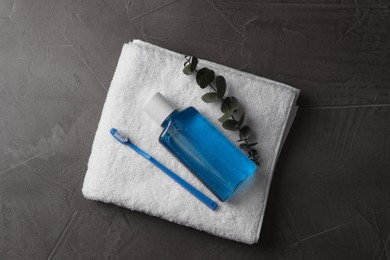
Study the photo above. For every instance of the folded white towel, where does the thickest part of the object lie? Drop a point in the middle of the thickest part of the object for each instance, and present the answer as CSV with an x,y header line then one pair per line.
x,y
116,174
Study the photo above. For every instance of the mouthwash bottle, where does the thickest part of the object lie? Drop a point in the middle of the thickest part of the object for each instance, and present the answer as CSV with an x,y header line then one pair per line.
x,y
201,147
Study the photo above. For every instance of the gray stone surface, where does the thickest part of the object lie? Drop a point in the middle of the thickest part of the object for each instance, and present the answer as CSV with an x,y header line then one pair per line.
x,y
329,198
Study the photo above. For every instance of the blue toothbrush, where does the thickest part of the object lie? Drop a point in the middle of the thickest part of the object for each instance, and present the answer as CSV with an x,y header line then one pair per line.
x,y
200,196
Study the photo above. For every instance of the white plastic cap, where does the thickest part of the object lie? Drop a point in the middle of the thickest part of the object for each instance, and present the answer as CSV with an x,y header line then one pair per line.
x,y
158,108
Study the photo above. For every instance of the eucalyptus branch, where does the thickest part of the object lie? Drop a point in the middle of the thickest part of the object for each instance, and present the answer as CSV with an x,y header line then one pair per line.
x,y
229,107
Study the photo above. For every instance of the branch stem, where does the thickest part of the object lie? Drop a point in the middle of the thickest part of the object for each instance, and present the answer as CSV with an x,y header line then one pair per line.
x,y
233,118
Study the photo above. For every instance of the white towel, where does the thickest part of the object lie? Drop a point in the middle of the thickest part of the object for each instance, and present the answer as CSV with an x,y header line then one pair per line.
x,y
116,174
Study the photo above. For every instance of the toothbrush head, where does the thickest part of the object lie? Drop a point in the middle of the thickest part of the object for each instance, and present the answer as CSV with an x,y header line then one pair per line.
x,y
121,137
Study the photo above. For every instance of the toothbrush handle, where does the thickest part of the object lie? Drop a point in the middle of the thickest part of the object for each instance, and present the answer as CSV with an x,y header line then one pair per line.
x,y
199,195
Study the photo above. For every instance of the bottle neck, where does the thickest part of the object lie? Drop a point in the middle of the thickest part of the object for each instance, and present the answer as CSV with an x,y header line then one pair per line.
x,y
169,118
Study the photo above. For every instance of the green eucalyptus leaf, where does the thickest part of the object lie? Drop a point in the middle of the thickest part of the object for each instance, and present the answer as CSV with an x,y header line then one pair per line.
x,y
234,104
204,82
229,125
187,70
251,145
194,63
229,104
241,120
210,97
202,78
203,71
221,86
225,117
243,145
226,104
210,76
254,160
245,132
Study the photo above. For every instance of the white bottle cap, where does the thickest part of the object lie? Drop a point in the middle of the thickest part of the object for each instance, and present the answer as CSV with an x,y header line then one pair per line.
x,y
158,108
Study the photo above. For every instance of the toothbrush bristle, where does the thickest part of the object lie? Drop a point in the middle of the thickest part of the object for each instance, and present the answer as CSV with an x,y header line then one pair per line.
x,y
119,136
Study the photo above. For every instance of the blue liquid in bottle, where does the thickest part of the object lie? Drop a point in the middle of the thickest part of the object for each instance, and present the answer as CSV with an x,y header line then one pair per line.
x,y
203,149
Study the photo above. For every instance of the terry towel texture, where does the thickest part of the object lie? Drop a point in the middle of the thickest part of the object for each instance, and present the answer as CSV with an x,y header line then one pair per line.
x,y
116,174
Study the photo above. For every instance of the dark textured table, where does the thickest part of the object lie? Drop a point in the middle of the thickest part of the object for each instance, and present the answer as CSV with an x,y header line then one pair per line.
x,y
330,197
